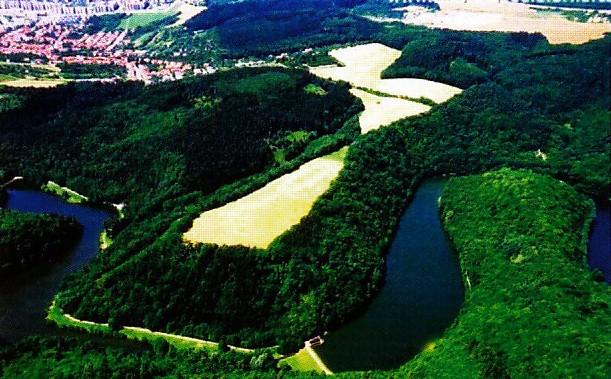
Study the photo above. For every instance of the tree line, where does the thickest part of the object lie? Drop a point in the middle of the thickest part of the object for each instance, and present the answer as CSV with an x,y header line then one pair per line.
x,y
27,239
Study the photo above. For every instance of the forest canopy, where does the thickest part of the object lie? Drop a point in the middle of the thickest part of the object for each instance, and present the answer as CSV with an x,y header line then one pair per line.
x,y
27,239
527,104
521,239
318,275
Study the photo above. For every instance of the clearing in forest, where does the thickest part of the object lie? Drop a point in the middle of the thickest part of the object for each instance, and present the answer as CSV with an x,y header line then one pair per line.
x,y
363,66
258,218
381,110
306,360
505,16
187,12
33,83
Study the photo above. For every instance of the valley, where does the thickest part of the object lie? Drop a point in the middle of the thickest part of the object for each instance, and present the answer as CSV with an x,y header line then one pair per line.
x,y
411,201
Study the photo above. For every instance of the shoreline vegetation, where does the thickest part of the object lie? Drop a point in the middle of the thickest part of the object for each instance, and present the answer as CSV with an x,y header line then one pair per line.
x,y
28,239
526,105
527,234
64,320
65,193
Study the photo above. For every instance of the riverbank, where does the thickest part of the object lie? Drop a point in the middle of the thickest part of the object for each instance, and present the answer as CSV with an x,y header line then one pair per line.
x,y
421,296
306,360
39,283
65,193
64,320
521,239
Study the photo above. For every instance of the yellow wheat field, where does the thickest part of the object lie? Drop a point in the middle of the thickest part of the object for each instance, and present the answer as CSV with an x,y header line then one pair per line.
x,y
504,16
33,83
363,66
258,218
381,111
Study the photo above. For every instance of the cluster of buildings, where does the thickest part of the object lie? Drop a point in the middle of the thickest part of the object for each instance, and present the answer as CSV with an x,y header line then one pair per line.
x,y
68,42
15,13
81,7
51,41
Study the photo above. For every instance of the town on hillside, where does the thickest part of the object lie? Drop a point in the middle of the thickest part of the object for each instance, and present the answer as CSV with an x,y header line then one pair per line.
x,y
57,33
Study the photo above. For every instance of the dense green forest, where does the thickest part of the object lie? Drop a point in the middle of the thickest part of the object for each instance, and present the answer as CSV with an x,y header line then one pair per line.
x,y
231,30
528,105
318,275
27,239
69,357
463,58
128,142
532,308
260,27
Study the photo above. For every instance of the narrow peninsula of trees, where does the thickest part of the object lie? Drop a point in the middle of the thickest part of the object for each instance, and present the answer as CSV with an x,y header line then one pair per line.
x,y
27,239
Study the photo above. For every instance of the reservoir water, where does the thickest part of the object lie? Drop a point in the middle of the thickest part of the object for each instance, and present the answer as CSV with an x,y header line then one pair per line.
x,y
599,246
25,297
421,296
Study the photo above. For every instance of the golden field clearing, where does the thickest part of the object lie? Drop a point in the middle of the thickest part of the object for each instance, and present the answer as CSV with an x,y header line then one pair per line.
x,y
33,83
364,65
187,12
258,218
487,15
381,111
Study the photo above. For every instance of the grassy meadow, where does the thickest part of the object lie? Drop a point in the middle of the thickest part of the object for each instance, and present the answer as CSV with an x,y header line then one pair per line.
x,y
364,64
384,110
269,211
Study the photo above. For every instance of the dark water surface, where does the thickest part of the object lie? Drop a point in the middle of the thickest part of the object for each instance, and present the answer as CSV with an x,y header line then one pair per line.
x,y
25,297
421,297
599,246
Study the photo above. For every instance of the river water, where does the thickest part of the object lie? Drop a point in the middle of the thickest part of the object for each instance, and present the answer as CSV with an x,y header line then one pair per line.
x,y
25,297
423,290
421,297
599,246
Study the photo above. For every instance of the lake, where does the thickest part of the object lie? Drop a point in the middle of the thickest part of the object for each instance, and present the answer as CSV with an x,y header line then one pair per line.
x,y
422,294
25,297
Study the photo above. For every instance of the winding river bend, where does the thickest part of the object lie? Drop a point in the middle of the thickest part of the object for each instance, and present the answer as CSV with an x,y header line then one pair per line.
x,y
421,297
25,297
423,290
599,246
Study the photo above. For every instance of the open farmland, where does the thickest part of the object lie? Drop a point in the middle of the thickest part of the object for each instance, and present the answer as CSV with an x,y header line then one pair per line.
x,y
364,64
257,219
381,111
485,15
33,83
187,12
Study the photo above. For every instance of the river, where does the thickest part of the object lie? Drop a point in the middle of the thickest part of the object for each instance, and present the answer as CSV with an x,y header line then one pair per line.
x,y
421,296
24,297
599,246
